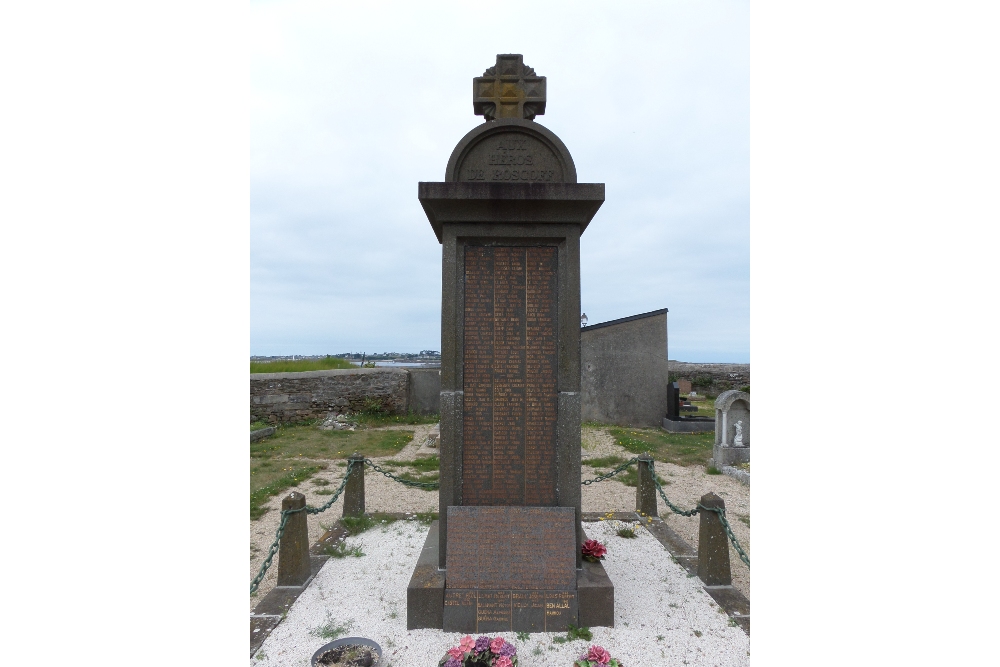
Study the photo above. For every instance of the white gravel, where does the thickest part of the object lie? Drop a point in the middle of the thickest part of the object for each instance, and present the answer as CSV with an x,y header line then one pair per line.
x,y
658,609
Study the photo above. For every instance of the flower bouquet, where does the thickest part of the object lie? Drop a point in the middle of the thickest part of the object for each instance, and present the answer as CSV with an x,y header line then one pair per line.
x,y
597,656
593,551
495,652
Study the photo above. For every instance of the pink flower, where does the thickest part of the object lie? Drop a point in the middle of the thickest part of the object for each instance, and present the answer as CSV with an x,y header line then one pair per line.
x,y
503,661
496,644
467,643
599,654
456,652
594,549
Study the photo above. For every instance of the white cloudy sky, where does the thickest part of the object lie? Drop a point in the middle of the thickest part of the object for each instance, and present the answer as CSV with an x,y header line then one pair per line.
x,y
354,103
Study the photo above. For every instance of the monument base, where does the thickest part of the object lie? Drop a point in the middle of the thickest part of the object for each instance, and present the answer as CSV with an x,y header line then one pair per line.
x,y
593,602
728,456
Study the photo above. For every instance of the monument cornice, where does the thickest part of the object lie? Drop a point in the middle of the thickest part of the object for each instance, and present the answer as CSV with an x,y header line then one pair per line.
x,y
509,203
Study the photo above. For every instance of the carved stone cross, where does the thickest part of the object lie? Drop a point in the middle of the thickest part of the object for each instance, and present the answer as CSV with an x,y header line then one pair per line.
x,y
509,89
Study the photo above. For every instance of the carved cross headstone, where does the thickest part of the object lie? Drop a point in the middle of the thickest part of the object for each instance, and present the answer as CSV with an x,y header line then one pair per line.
x,y
509,89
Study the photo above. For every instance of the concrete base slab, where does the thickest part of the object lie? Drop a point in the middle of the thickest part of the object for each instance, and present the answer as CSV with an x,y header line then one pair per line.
x,y
596,594
260,628
689,425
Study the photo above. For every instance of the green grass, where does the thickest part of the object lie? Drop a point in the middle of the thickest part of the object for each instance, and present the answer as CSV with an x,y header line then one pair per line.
x,y
605,461
683,449
427,517
325,364
256,426
374,418
267,483
425,469
745,518
307,441
341,550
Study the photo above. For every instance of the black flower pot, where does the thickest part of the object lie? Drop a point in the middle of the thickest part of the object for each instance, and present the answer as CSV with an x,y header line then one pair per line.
x,y
350,641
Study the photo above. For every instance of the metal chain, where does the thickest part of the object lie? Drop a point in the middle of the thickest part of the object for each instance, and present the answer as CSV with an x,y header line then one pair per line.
x,y
420,485
601,478
729,532
284,520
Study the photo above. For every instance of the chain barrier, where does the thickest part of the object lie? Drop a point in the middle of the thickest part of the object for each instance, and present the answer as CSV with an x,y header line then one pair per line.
x,y
419,485
601,478
434,485
284,520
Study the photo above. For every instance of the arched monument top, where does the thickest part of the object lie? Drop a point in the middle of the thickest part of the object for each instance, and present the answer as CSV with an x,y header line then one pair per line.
x,y
730,396
511,150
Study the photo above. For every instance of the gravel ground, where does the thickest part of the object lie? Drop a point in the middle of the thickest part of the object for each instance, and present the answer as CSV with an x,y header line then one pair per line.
x,y
662,616
686,486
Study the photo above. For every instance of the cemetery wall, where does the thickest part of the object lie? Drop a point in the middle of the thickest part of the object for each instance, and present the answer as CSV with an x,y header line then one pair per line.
x,y
710,379
624,370
279,398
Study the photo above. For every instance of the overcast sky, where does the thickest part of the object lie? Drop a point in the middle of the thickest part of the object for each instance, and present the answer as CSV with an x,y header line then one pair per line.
x,y
355,103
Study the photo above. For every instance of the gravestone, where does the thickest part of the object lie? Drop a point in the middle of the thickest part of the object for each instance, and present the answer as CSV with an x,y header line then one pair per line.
x,y
732,428
509,216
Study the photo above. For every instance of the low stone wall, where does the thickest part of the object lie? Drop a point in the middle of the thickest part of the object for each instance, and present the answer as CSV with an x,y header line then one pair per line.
x,y
710,378
280,398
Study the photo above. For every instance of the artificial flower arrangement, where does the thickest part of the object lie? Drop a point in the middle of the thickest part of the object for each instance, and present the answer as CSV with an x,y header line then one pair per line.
x,y
495,652
597,656
593,551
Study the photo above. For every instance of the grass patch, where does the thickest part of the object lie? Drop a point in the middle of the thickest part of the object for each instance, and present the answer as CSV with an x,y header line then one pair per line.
x,y
342,550
605,461
355,525
683,449
256,426
745,518
268,484
427,517
325,364
375,418
310,442
425,469
712,470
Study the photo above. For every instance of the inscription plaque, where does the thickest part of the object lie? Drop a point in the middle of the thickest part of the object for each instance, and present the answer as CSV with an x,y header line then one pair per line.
x,y
479,611
512,157
509,445
512,548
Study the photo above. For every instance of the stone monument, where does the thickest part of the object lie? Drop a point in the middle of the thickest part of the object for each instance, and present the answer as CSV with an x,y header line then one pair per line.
x,y
732,428
505,553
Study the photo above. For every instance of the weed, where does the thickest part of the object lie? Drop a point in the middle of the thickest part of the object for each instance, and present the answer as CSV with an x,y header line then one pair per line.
x,y
355,525
257,425
393,615
659,638
697,633
261,655
537,650
578,633
732,622
341,550
712,470
522,636
324,492
427,517
673,604
560,640
329,630
745,388
428,466
745,518
319,481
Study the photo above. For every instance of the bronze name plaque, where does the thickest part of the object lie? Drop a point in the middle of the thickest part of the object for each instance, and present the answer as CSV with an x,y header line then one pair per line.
x,y
512,548
484,611
510,310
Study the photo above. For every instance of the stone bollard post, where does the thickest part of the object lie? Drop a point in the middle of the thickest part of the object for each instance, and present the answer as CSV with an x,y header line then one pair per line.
x,y
713,545
354,492
293,552
645,490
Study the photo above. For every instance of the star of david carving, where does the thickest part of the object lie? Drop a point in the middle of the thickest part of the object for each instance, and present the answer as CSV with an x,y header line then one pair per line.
x,y
509,89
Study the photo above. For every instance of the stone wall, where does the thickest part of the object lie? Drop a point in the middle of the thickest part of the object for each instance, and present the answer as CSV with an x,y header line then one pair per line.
x,y
623,365
279,398
710,379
